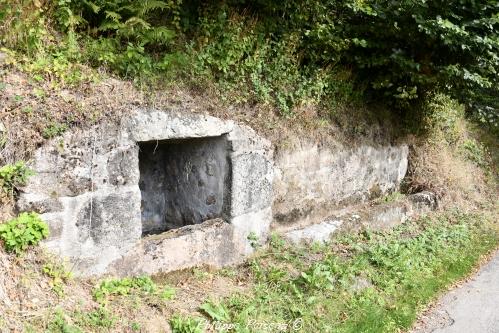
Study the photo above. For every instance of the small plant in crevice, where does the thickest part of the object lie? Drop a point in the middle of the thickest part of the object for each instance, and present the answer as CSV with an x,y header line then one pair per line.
x,y
25,230
253,239
14,175
53,130
59,276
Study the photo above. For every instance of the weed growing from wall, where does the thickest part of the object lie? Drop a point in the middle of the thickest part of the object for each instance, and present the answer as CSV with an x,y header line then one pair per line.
x,y
14,175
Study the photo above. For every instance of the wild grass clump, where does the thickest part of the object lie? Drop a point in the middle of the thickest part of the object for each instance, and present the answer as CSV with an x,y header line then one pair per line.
x,y
447,156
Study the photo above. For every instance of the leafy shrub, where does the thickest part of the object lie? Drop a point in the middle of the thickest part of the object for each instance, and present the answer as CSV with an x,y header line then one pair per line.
x,y
253,67
23,26
58,62
14,175
27,229
186,325
440,114
476,152
400,49
486,107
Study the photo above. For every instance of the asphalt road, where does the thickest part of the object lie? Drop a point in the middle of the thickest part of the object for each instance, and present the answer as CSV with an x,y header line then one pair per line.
x,y
470,308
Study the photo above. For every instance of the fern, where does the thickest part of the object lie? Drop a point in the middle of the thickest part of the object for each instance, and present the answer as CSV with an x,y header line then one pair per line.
x,y
142,8
158,35
137,21
129,36
92,6
110,25
113,16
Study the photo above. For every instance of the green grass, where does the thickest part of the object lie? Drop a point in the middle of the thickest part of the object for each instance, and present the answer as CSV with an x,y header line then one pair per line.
x,y
366,282
378,283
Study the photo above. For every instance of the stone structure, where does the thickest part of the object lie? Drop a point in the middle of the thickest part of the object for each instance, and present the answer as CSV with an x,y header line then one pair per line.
x,y
102,190
163,191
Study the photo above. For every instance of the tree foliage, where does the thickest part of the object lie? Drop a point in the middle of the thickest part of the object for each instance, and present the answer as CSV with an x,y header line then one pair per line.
x,y
401,48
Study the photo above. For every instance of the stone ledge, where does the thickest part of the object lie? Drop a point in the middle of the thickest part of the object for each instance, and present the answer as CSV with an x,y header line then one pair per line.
x,y
209,243
377,217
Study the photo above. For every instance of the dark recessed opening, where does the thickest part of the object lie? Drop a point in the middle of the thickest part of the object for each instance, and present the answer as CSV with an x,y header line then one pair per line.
x,y
183,182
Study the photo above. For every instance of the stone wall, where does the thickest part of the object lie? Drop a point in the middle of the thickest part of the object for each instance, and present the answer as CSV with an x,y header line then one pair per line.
x,y
312,180
373,216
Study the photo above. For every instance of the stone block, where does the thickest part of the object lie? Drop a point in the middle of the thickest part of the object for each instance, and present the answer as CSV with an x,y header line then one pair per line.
x,y
251,183
424,201
110,219
320,232
209,243
252,224
39,203
157,125
123,166
55,224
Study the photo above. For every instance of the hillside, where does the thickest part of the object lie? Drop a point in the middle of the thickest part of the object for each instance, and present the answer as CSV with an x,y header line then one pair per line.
x,y
350,114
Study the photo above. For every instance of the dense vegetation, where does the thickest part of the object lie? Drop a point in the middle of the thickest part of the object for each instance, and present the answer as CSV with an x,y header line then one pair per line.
x,y
280,53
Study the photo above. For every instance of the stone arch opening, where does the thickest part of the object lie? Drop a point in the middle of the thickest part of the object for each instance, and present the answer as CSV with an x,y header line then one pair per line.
x,y
183,182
